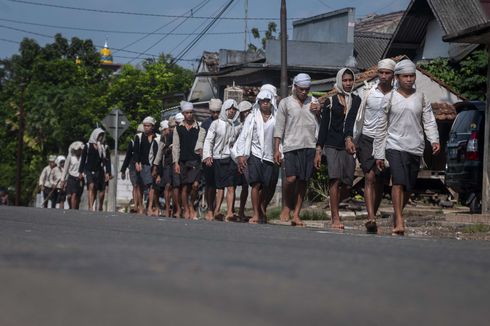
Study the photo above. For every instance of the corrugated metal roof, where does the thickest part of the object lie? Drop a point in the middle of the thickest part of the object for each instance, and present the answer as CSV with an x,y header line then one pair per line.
x,y
386,23
452,15
455,15
369,48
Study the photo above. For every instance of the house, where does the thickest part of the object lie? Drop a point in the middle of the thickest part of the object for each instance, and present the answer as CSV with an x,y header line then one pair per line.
x,y
420,32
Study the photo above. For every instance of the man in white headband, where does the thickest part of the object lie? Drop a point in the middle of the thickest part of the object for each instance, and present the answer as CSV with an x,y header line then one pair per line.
x,y
179,118
244,109
336,130
163,167
365,132
400,137
296,127
45,182
187,163
128,164
217,154
144,152
208,171
255,153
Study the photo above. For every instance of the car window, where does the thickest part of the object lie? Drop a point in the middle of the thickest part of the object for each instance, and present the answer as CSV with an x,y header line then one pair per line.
x,y
464,120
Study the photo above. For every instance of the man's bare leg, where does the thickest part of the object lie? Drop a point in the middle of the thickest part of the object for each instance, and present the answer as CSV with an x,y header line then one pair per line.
x,y
185,201
101,200
334,203
300,195
243,201
90,196
288,200
210,193
255,204
370,194
220,193
177,202
230,200
166,194
194,190
397,196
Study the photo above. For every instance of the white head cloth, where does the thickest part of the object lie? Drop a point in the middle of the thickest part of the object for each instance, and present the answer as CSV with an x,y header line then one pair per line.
x,y
387,64
244,106
405,67
186,106
302,80
340,88
215,104
140,128
228,104
270,88
163,125
52,158
149,120
59,159
179,117
76,145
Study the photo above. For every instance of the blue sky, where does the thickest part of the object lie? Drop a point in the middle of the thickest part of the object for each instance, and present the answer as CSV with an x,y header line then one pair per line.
x,y
17,20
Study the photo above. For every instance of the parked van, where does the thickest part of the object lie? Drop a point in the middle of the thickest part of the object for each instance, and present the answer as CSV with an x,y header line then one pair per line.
x,y
464,167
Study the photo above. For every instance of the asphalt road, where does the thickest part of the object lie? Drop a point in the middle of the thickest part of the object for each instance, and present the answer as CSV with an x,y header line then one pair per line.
x,y
80,268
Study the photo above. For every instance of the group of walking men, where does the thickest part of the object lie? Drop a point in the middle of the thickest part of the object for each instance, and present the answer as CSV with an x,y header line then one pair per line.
x,y
64,178
247,145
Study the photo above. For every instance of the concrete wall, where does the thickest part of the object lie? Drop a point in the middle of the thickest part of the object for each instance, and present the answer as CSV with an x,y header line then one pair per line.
x,y
302,53
333,27
434,47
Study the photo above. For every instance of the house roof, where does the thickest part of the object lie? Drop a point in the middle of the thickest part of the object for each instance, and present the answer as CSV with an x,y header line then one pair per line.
x,y
369,48
386,23
451,15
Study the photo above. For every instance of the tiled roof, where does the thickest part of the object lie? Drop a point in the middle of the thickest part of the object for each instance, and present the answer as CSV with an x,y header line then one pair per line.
x,y
386,23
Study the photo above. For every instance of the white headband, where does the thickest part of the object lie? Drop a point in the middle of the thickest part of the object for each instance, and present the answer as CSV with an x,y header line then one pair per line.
x,y
186,106
405,67
149,120
387,64
302,80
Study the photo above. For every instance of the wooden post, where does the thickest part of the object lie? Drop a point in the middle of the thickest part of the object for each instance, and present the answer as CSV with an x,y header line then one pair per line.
x,y
284,51
486,150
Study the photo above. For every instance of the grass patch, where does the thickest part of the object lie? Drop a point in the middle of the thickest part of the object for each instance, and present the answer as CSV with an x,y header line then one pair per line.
x,y
476,228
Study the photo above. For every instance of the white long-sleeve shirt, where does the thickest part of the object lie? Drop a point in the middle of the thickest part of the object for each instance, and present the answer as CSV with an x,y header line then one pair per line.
x,y
218,141
403,127
55,177
257,137
45,177
372,112
72,164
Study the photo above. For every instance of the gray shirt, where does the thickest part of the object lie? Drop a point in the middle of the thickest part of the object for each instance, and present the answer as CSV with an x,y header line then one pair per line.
x,y
403,128
295,124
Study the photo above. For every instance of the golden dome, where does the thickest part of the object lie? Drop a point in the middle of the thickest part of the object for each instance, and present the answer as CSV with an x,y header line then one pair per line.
x,y
105,55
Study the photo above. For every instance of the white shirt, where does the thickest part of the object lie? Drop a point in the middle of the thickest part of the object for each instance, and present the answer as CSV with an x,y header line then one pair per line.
x,y
218,141
264,151
403,128
72,164
372,112
45,177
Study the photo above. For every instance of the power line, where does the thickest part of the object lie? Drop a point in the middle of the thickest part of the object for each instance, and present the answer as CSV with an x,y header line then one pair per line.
x,y
42,4
197,8
198,38
109,31
9,41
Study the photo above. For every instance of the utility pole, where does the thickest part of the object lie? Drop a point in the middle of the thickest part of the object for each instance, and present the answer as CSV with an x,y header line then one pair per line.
x,y
246,24
284,52
20,149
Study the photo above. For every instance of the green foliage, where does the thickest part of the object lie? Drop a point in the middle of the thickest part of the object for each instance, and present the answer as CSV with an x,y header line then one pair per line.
x,y
268,35
318,189
64,101
468,78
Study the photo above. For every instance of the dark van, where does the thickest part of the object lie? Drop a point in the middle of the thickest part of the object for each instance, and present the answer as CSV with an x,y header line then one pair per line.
x,y
464,165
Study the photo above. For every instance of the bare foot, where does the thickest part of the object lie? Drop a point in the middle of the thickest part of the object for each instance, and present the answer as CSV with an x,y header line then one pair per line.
x,y
230,218
336,224
297,222
209,216
193,214
398,231
254,220
284,216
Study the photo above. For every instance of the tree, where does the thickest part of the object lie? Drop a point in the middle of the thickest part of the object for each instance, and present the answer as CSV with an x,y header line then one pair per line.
x,y
269,35
468,77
